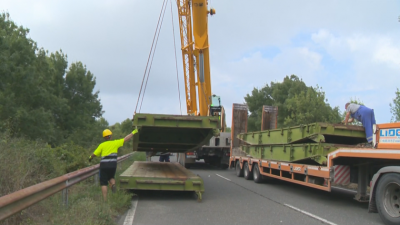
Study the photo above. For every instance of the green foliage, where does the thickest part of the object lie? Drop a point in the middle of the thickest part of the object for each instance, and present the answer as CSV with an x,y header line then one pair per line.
x,y
40,98
297,104
84,105
127,126
395,107
139,156
308,107
89,136
34,162
50,122
71,157
24,92
24,163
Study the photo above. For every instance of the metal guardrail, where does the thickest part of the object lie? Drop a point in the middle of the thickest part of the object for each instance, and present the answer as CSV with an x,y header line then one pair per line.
x,y
19,200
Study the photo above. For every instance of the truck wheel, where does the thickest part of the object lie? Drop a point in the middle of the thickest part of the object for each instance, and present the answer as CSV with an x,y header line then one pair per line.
x,y
388,198
257,177
246,173
239,171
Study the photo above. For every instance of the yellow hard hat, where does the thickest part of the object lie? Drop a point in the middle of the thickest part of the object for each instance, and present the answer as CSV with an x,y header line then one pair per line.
x,y
107,132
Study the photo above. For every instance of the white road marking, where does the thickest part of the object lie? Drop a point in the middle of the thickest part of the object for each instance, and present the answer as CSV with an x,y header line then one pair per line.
x,y
222,177
311,215
131,213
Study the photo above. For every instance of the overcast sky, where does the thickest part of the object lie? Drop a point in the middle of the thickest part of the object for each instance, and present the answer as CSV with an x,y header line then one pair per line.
x,y
349,48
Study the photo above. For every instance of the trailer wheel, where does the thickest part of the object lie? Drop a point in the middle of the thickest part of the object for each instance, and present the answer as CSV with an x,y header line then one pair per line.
x,y
388,198
257,177
239,171
247,174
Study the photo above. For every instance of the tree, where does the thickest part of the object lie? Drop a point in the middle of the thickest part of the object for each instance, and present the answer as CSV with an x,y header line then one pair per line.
x,y
90,136
126,126
395,107
39,98
84,105
82,121
308,107
297,104
25,90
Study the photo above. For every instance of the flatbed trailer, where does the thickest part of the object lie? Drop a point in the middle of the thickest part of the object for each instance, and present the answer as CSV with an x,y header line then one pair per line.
x,y
161,176
377,167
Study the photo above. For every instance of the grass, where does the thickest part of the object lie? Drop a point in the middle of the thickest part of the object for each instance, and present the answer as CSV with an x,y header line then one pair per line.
x,y
86,205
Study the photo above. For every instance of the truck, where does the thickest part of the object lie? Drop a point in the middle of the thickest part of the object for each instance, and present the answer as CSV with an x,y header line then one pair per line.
x,y
323,156
216,153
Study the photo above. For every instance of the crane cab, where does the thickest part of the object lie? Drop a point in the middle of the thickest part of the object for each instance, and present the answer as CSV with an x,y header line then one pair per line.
x,y
215,106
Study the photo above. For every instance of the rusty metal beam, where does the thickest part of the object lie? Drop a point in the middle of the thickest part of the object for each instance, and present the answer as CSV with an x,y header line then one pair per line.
x,y
269,119
239,125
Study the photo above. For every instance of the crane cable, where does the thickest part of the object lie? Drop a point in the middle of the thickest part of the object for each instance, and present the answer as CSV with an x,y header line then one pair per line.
x,y
152,57
176,61
152,44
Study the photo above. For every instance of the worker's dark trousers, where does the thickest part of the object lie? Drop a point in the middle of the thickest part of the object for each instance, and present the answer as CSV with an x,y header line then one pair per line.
x,y
164,158
367,118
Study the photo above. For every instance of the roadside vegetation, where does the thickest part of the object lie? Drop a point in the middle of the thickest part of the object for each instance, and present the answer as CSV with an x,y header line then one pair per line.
x,y
25,162
50,122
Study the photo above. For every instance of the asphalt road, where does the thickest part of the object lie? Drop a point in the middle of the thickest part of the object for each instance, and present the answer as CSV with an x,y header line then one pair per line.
x,y
232,200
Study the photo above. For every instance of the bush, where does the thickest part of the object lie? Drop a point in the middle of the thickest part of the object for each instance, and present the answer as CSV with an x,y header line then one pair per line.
x,y
24,163
71,156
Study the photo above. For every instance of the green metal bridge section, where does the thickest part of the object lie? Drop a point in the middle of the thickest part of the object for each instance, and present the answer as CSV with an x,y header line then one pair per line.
x,y
310,133
173,133
162,177
312,152
309,143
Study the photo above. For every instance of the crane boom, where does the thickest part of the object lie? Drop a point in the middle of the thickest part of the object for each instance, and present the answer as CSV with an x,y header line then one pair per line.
x,y
195,54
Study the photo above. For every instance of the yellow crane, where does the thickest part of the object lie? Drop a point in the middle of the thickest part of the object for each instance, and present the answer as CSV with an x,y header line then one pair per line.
x,y
193,24
195,55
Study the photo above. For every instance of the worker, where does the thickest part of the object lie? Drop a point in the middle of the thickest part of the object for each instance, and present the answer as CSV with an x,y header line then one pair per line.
x,y
164,157
108,164
363,114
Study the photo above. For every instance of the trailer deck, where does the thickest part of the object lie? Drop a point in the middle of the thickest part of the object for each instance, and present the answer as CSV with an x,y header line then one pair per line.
x,y
162,177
